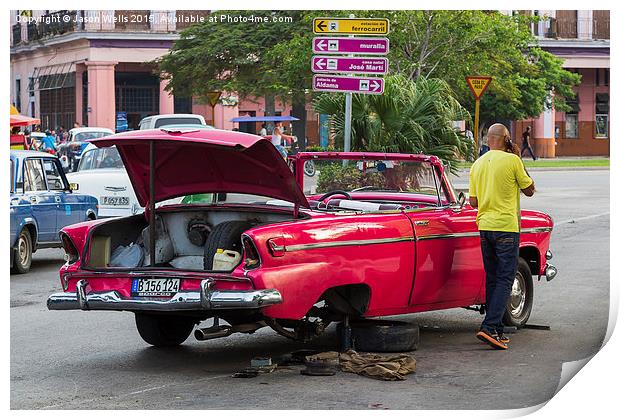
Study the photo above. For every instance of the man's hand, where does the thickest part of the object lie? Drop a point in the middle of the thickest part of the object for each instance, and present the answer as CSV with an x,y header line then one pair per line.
x,y
529,191
473,201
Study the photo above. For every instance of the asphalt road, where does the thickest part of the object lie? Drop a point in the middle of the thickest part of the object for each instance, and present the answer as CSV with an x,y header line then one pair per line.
x,y
95,360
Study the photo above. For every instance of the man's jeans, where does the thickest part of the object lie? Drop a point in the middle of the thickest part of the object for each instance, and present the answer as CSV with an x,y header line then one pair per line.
x,y
500,254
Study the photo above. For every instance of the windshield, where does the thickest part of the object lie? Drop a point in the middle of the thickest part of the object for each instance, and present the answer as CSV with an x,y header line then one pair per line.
x,y
89,135
103,158
177,120
376,180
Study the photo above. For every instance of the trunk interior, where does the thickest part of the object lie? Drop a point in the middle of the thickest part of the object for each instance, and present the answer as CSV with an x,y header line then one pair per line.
x,y
185,239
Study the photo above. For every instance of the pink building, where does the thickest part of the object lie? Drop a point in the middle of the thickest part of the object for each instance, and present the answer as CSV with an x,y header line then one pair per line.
x,y
581,39
90,66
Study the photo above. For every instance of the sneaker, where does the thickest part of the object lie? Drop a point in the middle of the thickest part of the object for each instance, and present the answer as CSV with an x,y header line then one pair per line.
x,y
503,338
492,340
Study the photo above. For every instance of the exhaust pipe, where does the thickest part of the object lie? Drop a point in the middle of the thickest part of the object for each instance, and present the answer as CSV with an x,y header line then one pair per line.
x,y
219,331
210,333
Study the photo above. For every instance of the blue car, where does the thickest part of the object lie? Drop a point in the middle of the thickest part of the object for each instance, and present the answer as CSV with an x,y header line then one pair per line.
x,y
41,204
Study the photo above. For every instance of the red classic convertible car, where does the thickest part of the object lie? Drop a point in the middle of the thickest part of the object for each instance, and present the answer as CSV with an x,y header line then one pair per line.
x,y
378,234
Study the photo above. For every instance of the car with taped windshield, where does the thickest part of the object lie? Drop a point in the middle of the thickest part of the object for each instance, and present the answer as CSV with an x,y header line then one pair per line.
x,y
233,234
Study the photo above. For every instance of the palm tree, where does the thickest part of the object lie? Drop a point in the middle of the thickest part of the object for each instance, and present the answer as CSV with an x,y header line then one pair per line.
x,y
410,117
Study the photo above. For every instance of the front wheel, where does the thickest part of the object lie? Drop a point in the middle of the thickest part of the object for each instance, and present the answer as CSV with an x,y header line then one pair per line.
x,y
519,306
164,330
22,258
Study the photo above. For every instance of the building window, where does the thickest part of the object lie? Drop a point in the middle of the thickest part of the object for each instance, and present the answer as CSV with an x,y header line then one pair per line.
x,y
18,94
571,120
602,126
571,128
602,116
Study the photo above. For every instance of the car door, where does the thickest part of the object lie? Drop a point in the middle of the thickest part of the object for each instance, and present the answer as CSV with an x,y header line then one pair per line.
x,y
449,263
43,203
68,209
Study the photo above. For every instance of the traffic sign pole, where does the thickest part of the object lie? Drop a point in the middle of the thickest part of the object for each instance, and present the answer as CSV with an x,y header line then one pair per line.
x,y
476,119
477,85
348,110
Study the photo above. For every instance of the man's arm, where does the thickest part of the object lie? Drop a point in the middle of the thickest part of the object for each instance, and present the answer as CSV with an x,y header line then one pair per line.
x,y
473,201
525,182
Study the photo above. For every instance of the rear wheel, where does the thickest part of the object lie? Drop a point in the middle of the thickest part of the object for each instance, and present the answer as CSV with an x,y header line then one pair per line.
x,y
164,330
519,306
22,257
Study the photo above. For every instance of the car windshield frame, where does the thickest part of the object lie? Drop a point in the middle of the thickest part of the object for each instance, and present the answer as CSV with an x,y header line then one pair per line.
x,y
90,135
444,192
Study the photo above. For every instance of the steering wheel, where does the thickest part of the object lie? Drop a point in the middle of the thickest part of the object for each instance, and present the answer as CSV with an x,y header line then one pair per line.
x,y
335,192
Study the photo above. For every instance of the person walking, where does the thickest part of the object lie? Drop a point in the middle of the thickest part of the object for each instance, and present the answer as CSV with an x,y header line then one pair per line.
x,y
263,130
525,142
495,182
277,137
49,143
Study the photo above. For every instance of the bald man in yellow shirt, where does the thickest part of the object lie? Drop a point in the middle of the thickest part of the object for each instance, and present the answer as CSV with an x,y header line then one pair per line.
x,y
496,180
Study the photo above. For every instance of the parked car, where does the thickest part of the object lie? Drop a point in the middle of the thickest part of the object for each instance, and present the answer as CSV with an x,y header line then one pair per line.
x,y
101,173
388,237
157,121
41,205
71,151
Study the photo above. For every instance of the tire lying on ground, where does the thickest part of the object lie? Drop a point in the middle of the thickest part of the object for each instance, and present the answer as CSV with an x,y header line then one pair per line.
x,y
380,335
225,235
164,330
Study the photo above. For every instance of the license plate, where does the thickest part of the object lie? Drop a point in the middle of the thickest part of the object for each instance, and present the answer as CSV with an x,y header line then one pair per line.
x,y
107,200
154,287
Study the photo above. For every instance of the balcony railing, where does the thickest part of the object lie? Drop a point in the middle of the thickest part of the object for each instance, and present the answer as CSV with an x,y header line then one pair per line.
x,y
66,21
576,29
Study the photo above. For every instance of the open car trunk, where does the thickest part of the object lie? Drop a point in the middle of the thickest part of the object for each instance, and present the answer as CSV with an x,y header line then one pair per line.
x,y
186,239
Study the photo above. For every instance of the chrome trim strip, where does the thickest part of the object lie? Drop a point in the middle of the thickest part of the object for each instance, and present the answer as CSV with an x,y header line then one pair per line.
x,y
537,230
449,235
205,299
332,244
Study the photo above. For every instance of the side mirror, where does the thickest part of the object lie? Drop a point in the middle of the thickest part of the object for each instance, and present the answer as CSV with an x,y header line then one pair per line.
x,y
462,199
74,186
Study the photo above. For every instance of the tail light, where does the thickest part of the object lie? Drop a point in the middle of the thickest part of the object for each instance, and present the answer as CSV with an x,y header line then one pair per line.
x,y
71,252
252,258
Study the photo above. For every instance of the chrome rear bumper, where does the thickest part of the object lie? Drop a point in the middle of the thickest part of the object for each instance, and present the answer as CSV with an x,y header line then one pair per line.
x,y
204,300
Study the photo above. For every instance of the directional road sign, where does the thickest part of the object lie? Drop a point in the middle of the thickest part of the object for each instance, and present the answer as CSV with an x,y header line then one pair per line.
x,y
327,64
351,26
369,85
366,46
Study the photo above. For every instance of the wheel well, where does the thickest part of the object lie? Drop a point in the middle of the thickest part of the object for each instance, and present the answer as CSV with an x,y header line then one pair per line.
x,y
91,215
531,255
32,230
352,299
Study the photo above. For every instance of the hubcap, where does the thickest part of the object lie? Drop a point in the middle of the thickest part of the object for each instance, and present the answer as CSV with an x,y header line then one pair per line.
x,y
517,296
23,250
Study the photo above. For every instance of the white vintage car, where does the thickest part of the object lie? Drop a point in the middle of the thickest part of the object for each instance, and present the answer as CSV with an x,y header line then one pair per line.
x,y
101,174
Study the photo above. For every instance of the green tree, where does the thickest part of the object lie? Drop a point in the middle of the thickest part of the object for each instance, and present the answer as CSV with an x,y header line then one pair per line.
x,y
217,56
450,45
410,117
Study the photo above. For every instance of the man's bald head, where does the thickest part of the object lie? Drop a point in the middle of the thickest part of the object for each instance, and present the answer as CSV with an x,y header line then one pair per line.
x,y
497,135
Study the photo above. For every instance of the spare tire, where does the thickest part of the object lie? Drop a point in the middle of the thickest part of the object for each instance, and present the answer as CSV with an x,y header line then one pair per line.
x,y
380,335
226,235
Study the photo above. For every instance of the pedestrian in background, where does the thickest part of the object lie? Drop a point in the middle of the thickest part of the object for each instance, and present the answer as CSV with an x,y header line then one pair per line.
x,y
49,143
484,144
495,182
525,142
263,130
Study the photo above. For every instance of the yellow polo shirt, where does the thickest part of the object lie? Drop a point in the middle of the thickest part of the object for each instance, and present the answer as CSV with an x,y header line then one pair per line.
x,y
496,180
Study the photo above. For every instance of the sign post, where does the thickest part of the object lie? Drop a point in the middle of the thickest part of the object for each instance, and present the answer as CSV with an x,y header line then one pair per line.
x,y
477,85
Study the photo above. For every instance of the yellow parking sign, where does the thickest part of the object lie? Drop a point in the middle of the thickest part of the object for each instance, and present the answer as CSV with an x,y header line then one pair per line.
x,y
351,26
